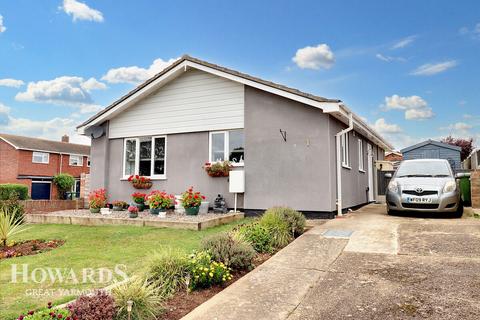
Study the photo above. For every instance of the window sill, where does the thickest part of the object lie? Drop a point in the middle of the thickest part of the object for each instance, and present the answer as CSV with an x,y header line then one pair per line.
x,y
362,171
153,179
346,167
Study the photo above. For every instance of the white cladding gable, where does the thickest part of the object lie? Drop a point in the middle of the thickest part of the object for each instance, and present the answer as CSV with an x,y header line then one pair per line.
x,y
195,101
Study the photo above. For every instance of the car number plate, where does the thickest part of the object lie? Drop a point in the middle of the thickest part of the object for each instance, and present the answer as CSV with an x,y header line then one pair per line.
x,y
419,200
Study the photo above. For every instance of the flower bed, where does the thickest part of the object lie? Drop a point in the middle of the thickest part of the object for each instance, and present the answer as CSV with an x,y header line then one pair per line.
x,y
27,248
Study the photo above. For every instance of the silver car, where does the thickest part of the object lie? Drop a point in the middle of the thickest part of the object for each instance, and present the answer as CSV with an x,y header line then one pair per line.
x,y
426,185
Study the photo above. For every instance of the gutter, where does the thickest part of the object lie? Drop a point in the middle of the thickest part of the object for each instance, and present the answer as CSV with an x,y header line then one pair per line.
x,y
338,137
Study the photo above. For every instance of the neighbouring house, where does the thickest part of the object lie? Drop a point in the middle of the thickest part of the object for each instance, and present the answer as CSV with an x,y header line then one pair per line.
x,y
472,162
294,148
35,162
431,149
393,156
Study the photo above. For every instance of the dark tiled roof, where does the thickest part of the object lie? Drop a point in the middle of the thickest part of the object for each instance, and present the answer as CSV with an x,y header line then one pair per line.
x,y
216,67
45,145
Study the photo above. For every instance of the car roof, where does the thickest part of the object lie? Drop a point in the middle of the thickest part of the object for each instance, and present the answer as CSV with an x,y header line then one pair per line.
x,y
426,160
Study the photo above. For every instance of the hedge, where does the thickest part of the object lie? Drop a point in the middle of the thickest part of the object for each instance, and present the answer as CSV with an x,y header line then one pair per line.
x,y
7,189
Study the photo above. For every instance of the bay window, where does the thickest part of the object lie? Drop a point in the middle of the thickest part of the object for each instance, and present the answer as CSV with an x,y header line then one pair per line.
x,y
145,156
227,145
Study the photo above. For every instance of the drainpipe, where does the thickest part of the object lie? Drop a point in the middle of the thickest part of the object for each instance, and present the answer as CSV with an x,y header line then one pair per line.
x,y
339,162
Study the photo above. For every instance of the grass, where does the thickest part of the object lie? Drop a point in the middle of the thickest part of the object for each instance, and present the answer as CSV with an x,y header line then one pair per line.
x,y
87,247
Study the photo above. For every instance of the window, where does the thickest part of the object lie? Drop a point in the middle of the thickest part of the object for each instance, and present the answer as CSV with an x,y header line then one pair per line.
x,y
227,145
344,141
361,157
88,162
40,157
149,160
75,160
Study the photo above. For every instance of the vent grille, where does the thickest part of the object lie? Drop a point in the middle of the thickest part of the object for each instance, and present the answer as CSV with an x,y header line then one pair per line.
x,y
424,193
420,205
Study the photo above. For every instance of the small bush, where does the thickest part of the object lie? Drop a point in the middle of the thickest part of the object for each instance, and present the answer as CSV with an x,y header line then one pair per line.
x,y
99,306
277,227
7,189
10,225
46,314
258,236
296,220
204,272
64,183
146,301
233,252
167,270
13,206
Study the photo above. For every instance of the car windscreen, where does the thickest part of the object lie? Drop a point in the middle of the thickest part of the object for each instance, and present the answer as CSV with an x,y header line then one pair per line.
x,y
423,169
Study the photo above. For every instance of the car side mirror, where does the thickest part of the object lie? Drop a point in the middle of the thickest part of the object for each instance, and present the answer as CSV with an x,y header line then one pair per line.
x,y
388,175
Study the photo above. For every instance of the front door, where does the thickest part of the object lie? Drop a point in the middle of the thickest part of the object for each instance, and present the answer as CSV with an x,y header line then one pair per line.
x,y
41,190
370,172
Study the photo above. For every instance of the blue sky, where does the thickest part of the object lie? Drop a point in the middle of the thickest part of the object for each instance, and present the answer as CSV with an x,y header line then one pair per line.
x,y
411,68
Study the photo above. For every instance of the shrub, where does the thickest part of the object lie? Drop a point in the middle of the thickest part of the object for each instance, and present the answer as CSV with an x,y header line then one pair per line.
x,y
258,236
7,189
295,220
46,314
191,198
167,270
204,272
277,227
64,183
233,252
97,198
120,204
99,306
146,301
13,206
10,225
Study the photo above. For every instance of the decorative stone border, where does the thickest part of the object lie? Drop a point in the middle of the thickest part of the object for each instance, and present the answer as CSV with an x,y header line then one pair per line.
x,y
101,221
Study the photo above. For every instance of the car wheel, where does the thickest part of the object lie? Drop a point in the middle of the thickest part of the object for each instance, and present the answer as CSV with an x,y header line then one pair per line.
x,y
459,212
391,212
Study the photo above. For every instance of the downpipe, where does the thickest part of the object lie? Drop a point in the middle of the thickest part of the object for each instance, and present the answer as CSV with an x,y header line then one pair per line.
x,y
338,137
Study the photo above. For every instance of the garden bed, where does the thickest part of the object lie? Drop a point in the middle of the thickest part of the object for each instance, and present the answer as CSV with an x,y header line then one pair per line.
x,y
145,219
183,302
28,248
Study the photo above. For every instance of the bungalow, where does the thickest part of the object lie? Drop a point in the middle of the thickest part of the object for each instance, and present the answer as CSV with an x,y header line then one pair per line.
x,y
294,148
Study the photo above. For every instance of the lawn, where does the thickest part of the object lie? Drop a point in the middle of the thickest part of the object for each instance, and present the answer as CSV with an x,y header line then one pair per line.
x,y
87,247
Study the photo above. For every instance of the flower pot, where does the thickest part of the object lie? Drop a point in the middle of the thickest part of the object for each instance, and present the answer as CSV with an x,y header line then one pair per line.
x,y
140,206
157,211
94,210
133,215
115,208
192,211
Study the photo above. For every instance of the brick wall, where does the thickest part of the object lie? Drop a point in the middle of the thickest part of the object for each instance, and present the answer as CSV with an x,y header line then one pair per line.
x,y
40,206
475,186
8,163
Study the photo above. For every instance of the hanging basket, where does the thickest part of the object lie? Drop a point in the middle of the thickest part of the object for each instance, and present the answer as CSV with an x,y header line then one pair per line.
x,y
142,185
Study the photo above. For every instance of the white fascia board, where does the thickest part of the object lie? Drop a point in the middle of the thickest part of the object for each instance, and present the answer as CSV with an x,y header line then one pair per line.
x,y
325,106
9,143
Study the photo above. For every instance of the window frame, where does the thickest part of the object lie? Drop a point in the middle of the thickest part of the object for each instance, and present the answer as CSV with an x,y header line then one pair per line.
x,y
80,163
345,154
137,158
42,155
361,157
226,146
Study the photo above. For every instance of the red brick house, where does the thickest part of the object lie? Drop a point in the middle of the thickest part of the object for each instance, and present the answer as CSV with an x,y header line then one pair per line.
x,y
34,162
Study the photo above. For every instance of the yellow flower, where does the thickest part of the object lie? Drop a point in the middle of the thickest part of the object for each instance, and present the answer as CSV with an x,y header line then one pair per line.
x,y
211,274
203,273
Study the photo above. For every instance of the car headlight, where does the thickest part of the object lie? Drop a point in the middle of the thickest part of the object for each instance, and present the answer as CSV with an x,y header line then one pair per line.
x,y
393,186
450,186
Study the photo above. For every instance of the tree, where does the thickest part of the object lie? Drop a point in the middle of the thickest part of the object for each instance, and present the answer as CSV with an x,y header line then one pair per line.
x,y
465,144
64,183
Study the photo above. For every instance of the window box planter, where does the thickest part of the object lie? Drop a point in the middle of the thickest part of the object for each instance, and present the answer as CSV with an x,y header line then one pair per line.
x,y
140,185
192,211
218,169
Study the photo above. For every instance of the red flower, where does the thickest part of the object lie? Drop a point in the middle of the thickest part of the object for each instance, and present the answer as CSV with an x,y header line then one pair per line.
x,y
203,197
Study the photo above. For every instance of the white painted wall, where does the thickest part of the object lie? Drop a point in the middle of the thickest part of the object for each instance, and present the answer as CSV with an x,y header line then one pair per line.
x,y
195,101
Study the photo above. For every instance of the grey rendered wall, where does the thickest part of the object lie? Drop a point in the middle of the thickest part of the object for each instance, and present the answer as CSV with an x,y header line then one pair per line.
x,y
295,173
354,182
426,151
186,154
99,157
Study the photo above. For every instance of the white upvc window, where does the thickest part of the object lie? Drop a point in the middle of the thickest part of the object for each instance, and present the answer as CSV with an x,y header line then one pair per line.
x,y
75,160
361,158
145,156
227,145
40,157
344,142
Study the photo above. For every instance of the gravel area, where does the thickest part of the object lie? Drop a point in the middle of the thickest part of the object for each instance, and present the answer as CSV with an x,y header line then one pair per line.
x,y
145,215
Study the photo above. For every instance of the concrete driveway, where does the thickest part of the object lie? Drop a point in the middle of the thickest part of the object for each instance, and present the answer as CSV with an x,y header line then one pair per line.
x,y
366,265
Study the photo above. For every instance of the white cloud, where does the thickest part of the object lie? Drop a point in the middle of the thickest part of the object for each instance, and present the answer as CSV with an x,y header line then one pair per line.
x,y
474,32
382,127
415,107
4,108
66,90
319,57
2,26
80,11
13,83
458,126
430,69
402,43
134,74
389,58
